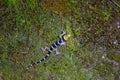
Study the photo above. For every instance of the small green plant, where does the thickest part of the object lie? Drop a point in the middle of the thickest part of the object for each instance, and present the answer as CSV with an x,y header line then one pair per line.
x,y
14,4
11,2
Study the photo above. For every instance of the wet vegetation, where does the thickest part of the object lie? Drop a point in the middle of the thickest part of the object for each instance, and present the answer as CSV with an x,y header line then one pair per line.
x,y
92,53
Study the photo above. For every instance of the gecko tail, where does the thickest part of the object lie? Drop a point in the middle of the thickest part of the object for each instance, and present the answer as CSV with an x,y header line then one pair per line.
x,y
35,63
39,61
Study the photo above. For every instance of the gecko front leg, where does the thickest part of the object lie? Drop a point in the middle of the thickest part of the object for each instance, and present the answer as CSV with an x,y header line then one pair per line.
x,y
62,33
57,52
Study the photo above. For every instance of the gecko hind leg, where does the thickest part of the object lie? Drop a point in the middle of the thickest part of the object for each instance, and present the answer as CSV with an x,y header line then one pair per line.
x,y
45,49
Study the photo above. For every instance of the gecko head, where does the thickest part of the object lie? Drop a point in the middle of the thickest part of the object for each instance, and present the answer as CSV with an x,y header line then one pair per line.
x,y
66,36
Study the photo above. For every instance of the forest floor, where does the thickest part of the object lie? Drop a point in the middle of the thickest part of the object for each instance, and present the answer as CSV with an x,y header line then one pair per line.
x,y
92,53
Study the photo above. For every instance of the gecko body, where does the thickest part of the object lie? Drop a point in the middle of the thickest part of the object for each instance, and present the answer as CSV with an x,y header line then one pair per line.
x,y
62,41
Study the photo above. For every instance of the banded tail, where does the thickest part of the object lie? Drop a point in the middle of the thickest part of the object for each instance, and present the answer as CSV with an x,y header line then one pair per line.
x,y
37,62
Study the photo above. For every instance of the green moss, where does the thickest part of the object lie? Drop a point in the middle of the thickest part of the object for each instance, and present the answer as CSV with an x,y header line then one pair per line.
x,y
114,56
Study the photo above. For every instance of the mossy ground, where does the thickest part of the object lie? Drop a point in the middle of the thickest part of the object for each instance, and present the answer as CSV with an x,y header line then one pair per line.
x,y
92,52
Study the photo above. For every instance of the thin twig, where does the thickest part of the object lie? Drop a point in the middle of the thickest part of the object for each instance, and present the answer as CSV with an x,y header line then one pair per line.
x,y
114,2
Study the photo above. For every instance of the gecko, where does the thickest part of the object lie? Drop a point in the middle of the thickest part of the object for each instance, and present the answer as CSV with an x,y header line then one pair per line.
x,y
61,41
